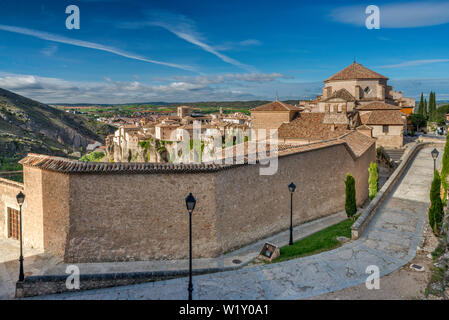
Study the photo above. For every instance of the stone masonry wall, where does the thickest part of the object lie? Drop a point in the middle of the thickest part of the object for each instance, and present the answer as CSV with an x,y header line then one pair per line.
x,y
250,206
123,217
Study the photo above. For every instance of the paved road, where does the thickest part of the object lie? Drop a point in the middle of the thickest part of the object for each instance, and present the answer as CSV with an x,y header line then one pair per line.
x,y
389,243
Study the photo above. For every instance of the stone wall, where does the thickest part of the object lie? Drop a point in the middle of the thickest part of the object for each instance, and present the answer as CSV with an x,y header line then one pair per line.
x,y
251,206
8,191
119,216
393,139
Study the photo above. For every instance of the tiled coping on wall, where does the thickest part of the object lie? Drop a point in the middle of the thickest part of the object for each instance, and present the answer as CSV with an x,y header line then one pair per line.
x,y
363,221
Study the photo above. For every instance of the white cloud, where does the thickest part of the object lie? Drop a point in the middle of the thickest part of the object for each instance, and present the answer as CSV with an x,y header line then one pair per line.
x,y
184,28
201,88
397,15
413,63
86,44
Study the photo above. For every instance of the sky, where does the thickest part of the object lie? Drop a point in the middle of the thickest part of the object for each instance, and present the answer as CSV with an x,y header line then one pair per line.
x,y
196,50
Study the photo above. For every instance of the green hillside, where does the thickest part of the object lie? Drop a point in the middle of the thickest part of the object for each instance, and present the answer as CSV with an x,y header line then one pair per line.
x,y
30,126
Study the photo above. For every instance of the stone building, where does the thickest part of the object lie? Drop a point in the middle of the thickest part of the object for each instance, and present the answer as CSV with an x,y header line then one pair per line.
x,y
347,99
92,212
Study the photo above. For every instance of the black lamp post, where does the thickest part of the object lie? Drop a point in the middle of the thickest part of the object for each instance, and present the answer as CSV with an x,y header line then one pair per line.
x,y
20,199
190,203
435,154
292,188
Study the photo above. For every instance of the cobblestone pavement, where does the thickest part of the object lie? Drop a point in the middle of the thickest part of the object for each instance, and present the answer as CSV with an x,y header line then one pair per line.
x,y
389,242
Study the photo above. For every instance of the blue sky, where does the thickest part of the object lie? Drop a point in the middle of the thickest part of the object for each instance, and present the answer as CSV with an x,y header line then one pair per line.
x,y
141,51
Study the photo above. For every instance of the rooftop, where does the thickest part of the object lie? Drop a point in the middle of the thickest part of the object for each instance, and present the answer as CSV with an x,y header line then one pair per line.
x,y
311,126
384,117
354,72
276,106
378,106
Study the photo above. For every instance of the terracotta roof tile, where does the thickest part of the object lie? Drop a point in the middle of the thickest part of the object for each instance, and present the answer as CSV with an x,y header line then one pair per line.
x,y
383,117
355,71
342,94
309,125
378,106
276,106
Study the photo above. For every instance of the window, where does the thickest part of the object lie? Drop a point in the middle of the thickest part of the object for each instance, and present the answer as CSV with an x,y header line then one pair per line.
x,y
367,90
13,224
385,129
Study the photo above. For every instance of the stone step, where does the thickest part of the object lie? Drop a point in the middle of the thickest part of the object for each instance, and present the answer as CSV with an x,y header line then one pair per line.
x,y
395,154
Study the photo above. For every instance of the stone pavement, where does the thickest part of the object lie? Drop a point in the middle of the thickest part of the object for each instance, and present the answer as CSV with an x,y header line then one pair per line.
x,y
38,263
389,242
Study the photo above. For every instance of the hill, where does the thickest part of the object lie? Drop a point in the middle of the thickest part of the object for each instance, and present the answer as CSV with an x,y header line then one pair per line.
x,y
30,126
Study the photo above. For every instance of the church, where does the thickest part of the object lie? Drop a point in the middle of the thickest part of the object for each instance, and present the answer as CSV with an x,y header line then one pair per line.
x,y
356,98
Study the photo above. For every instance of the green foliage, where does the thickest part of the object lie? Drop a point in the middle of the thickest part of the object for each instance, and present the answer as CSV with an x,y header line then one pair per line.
x,y
421,106
436,206
320,241
130,156
350,204
445,166
93,157
373,180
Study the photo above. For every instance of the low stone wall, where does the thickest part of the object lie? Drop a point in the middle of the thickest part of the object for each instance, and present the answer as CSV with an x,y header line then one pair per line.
x,y
54,284
363,221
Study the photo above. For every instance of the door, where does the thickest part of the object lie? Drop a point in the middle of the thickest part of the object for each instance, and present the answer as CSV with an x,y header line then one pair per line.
x,y
13,224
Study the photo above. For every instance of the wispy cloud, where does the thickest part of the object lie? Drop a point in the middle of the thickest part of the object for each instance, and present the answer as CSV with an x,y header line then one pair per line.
x,y
397,15
49,51
237,45
85,44
413,63
185,28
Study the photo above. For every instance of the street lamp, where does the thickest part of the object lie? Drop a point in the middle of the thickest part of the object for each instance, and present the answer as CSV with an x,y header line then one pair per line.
x,y
20,199
435,154
190,203
292,188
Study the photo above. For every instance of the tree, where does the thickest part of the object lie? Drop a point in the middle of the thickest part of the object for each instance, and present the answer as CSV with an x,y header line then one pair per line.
x,y
421,105
445,165
350,204
425,112
436,206
373,180
418,120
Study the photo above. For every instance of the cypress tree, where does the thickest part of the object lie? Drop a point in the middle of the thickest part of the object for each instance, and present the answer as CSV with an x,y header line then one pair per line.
x,y
425,113
373,180
421,105
350,204
436,206
445,166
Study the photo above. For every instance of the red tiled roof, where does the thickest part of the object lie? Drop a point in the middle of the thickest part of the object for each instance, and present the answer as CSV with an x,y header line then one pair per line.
x,y
383,117
358,142
342,94
355,71
309,125
378,106
276,106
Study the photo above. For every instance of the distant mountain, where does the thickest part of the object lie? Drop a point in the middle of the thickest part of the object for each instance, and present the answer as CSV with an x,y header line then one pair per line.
x,y
30,126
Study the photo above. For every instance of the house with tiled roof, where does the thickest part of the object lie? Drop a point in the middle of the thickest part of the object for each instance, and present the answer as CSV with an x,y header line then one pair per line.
x,y
272,115
384,122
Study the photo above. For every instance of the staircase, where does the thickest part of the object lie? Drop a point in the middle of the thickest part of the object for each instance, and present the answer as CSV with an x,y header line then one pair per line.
x,y
395,155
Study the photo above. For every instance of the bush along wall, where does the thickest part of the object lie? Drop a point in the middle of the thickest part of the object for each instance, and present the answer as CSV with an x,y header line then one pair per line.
x,y
373,180
350,204
436,205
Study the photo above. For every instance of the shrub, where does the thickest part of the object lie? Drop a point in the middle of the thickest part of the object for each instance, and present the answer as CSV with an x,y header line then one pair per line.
x,y
373,180
350,204
93,157
445,165
436,206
